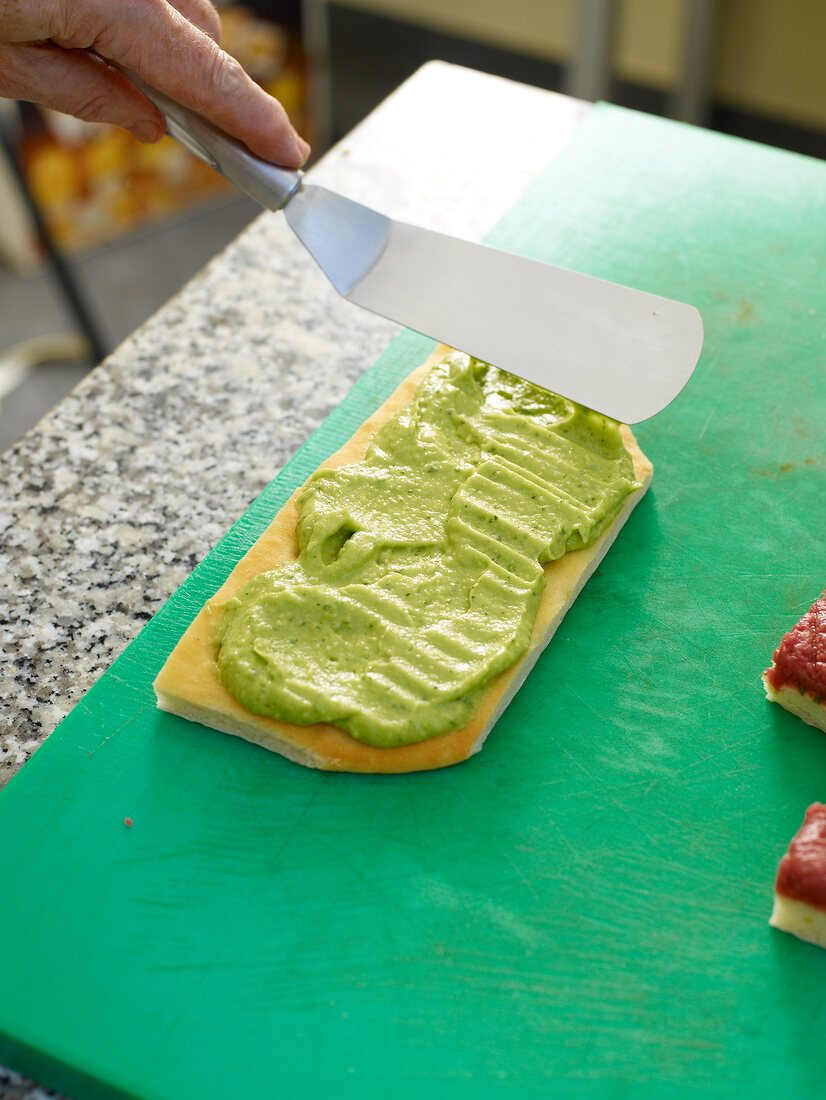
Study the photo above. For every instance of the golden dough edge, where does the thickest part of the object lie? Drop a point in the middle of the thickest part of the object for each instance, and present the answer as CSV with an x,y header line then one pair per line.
x,y
800,919
188,684
801,704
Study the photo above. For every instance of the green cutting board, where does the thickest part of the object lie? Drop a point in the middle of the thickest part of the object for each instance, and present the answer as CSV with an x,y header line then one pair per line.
x,y
581,909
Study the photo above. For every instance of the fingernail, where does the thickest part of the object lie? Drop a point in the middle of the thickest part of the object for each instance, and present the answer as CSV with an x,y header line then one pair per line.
x,y
146,131
301,147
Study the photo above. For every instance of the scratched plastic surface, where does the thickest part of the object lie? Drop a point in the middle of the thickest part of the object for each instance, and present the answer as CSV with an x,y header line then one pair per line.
x,y
580,910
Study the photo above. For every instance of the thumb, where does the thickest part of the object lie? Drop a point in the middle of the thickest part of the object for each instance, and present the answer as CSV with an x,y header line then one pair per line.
x,y
77,83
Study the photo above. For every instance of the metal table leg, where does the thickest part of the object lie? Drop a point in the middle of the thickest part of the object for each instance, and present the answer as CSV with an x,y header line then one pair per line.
x,y
65,279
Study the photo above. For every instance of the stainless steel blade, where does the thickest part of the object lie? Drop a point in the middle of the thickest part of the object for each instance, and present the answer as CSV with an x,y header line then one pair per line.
x,y
623,352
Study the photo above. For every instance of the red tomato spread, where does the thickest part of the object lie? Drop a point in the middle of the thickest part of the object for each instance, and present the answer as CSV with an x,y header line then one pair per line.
x,y
801,875
800,659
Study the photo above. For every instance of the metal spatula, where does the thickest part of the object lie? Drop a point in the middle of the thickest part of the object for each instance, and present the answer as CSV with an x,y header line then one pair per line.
x,y
620,351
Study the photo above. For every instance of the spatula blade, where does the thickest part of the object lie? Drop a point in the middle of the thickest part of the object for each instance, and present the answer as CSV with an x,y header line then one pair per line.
x,y
622,352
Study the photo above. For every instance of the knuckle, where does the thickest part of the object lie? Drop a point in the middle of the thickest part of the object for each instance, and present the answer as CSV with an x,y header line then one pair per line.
x,y
70,27
227,76
13,82
66,24
203,14
95,107
118,39
211,21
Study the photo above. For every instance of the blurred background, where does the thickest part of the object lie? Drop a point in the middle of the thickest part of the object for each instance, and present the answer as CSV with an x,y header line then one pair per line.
x,y
97,231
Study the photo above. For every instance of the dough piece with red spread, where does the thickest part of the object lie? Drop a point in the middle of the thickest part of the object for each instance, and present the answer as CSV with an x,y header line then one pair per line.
x,y
800,888
797,678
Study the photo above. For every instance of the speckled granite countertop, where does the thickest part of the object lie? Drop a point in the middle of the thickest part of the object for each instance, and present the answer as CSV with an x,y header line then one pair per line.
x,y
110,502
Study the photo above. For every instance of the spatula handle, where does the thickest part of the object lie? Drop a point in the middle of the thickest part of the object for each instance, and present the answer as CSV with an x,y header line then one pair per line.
x,y
269,184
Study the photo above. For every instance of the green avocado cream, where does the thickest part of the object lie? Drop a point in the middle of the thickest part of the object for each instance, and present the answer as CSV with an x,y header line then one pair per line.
x,y
420,568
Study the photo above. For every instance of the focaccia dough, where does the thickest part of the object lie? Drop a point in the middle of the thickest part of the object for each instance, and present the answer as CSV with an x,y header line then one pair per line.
x,y
801,703
799,918
188,684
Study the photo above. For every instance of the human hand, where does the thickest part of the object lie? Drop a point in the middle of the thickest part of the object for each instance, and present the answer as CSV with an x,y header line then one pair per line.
x,y
46,57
